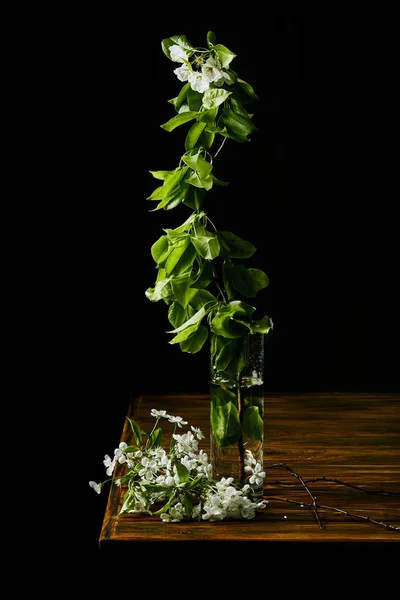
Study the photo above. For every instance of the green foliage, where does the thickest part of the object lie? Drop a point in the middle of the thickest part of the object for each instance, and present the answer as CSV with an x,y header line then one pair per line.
x,y
224,416
201,275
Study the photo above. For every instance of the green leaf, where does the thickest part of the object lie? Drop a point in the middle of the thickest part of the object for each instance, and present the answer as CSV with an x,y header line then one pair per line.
x,y
238,108
181,99
207,245
180,286
194,100
182,471
245,281
186,225
247,89
224,417
129,502
253,424
175,198
230,356
228,320
185,334
187,501
196,180
195,197
171,185
193,135
208,116
136,431
225,56
206,140
218,130
202,297
195,320
192,484
264,325
238,248
161,291
155,438
197,163
201,169
154,488
157,194
178,120
239,124
166,506
181,257
177,314
214,97
211,39
195,342
219,182
160,174
132,447
159,250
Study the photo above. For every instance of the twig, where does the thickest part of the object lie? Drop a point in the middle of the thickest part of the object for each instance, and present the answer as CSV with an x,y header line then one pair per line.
x,y
315,505
303,483
333,508
380,492
220,148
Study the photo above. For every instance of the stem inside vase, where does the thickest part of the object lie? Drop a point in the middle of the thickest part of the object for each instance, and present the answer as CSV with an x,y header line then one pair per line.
x,y
237,416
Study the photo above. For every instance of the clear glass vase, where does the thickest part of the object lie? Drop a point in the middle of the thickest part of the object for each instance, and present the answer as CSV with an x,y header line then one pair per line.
x,y
237,409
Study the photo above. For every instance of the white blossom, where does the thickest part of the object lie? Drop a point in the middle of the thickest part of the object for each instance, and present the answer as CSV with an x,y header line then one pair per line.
x,y
109,464
177,53
197,432
198,82
258,475
118,453
186,443
174,515
95,486
178,420
149,468
215,500
211,70
213,510
225,78
158,413
182,73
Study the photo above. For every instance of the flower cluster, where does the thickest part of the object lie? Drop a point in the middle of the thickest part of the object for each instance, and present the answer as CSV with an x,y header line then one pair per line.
x,y
204,69
177,484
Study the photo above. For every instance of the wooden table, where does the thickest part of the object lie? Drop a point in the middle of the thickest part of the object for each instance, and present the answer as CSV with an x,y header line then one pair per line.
x,y
348,437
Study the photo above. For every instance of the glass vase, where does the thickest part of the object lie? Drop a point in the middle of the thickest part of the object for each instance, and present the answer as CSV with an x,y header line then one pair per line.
x,y
237,409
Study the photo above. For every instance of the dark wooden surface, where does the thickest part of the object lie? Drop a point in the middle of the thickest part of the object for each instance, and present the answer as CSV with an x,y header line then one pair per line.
x,y
354,438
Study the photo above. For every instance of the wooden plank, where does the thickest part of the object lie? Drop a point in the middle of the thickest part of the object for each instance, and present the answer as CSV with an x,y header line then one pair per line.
x,y
353,438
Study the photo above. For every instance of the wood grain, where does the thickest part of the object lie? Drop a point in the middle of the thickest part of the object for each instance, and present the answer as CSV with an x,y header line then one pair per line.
x,y
354,438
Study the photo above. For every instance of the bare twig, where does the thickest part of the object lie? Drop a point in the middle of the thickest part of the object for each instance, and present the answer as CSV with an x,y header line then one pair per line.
x,y
315,506
303,483
220,148
380,492
333,508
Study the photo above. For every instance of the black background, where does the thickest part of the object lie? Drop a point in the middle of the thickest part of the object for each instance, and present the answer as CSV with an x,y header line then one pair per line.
x,y
315,191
